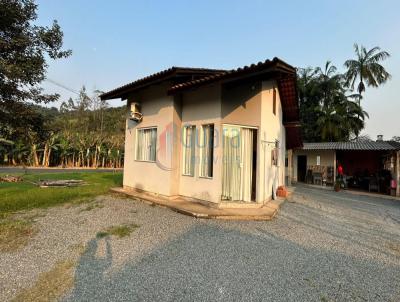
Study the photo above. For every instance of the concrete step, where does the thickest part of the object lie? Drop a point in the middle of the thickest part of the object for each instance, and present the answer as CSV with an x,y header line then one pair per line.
x,y
189,207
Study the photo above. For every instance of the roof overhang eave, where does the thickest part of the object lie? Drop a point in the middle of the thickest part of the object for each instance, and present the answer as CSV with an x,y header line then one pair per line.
x,y
228,78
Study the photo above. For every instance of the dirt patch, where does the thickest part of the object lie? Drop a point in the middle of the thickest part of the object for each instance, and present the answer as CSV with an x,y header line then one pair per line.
x,y
121,196
50,285
395,247
92,206
15,234
119,230
55,283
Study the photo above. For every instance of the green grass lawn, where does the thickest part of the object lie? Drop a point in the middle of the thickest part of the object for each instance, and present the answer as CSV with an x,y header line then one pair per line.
x,y
25,195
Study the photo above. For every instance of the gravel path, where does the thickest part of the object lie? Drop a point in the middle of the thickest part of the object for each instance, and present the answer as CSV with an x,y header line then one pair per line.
x,y
322,246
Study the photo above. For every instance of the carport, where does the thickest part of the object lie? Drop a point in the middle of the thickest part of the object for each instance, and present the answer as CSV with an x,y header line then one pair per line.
x,y
368,165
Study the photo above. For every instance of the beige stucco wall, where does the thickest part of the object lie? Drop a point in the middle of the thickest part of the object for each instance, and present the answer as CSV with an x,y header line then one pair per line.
x,y
251,104
158,110
199,107
327,159
271,130
245,105
241,104
176,150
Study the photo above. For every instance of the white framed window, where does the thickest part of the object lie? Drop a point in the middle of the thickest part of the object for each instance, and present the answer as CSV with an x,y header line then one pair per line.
x,y
188,147
146,143
318,160
206,145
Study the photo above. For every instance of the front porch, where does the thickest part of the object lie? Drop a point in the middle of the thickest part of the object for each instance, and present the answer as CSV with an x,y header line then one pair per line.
x,y
352,191
369,167
194,208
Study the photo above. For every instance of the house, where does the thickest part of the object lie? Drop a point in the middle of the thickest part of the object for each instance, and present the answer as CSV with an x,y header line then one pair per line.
x,y
367,165
217,136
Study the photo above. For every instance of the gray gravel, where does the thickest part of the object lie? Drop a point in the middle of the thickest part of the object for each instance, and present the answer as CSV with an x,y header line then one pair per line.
x,y
323,246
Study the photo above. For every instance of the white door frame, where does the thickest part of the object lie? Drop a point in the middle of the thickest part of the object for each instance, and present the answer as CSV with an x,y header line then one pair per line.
x,y
228,125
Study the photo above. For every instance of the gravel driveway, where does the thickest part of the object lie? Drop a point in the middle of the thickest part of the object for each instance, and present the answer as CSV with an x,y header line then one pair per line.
x,y
322,246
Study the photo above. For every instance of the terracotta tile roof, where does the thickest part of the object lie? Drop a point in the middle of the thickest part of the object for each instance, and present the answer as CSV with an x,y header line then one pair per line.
x,y
260,66
157,77
283,73
360,145
286,83
293,135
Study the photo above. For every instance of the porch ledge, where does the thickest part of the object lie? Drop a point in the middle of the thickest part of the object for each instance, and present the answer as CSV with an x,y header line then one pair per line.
x,y
192,208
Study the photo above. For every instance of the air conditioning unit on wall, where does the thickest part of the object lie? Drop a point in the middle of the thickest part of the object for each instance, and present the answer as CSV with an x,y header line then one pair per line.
x,y
135,113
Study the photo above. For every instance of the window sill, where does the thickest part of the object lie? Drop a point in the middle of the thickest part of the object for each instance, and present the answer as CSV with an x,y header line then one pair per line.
x,y
145,161
206,177
188,175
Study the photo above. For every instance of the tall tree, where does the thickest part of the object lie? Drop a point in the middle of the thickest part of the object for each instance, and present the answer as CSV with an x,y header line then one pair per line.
x,y
366,68
327,113
24,48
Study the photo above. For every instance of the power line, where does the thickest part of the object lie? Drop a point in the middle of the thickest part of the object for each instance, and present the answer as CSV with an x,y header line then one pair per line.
x,y
69,89
62,86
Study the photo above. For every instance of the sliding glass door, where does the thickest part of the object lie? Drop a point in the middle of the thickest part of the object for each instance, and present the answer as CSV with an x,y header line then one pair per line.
x,y
239,155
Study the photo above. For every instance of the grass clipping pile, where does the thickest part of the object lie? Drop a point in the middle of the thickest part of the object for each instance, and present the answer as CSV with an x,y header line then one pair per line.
x,y
10,178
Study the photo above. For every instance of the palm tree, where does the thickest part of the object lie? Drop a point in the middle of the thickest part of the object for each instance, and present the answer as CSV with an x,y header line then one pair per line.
x,y
327,112
353,116
330,83
367,68
327,123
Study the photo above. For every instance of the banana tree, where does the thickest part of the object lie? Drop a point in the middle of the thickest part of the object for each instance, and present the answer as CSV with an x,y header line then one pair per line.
x,y
18,152
4,148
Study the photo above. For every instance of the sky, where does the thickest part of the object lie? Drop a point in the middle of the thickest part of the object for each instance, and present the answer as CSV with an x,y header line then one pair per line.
x,y
116,42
